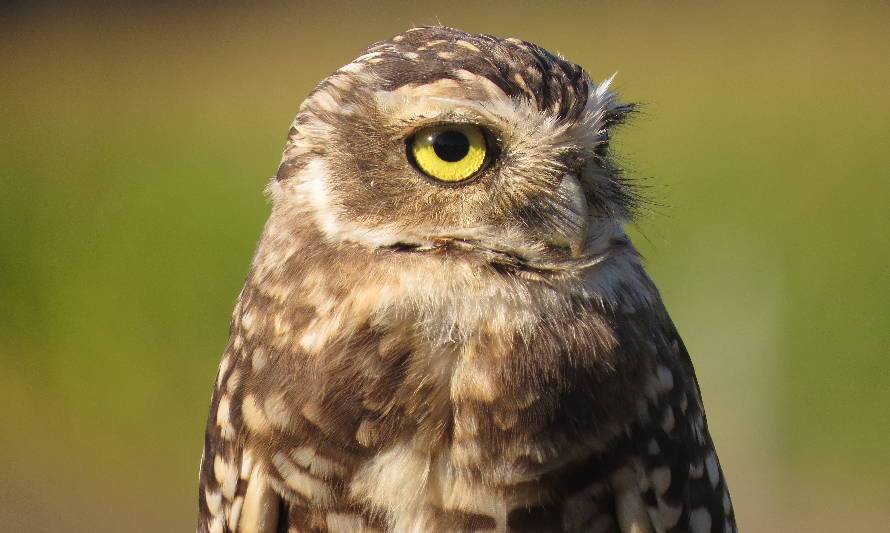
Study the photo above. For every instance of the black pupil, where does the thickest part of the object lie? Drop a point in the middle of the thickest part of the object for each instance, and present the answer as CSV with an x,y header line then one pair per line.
x,y
451,146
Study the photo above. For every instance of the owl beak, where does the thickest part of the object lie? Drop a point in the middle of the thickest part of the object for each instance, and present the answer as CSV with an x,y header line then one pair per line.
x,y
571,231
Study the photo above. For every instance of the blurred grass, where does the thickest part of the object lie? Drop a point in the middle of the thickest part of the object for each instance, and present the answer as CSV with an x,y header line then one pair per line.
x,y
136,143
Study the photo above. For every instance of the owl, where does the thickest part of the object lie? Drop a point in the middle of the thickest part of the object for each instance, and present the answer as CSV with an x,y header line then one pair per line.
x,y
445,326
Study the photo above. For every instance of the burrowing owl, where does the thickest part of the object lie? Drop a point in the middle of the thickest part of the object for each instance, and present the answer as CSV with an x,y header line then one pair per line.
x,y
445,327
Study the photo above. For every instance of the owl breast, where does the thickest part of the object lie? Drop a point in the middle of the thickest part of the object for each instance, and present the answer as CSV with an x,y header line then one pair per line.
x,y
421,405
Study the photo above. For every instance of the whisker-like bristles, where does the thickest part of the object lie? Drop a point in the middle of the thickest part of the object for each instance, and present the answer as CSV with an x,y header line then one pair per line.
x,y
506,260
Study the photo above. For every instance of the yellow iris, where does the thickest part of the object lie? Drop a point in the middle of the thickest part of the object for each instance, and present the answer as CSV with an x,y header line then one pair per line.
x,y
449,152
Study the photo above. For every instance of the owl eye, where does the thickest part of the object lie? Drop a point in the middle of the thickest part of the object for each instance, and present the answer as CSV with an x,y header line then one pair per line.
x,y
448,152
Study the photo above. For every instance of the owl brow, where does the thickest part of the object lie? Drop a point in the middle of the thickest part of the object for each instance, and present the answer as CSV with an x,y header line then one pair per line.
x,y
431,108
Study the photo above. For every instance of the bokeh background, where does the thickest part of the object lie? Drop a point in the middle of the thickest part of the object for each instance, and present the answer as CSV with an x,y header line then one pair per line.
x,y
136,141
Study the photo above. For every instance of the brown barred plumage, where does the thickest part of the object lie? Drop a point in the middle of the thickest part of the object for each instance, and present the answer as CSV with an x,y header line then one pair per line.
x,y
417,356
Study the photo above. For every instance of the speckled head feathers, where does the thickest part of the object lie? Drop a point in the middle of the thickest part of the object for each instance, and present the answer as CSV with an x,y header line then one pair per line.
x,y
550,192
518,68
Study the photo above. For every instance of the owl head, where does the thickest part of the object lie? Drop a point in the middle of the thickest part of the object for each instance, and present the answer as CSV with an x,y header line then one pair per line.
x,y
440,139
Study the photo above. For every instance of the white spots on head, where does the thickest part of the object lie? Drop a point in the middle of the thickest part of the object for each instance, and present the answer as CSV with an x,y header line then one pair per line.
x,y
314,490
700,521
519,80
420,100
533,72
713,469
467,45
328,101
226,473
494,93
254,417
343,83
366,57
353,68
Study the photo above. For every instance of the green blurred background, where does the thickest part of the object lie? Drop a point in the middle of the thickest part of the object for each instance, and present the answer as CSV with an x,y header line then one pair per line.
x,y
137,141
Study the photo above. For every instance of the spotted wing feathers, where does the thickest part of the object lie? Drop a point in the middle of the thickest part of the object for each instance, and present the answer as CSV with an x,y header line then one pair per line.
x,y
682,484
234,494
